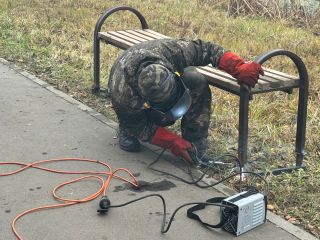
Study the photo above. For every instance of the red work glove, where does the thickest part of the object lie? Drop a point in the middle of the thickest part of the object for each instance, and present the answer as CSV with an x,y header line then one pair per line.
x,y
247,73
178,147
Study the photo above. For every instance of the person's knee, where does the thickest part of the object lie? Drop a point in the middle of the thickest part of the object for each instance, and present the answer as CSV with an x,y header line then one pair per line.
x,y
193,79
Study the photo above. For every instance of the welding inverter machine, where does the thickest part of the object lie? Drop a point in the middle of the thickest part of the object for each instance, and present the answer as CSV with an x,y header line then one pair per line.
x,y
247,210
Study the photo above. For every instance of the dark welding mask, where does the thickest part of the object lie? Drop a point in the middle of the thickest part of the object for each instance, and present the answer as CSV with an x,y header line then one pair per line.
x,y
176,105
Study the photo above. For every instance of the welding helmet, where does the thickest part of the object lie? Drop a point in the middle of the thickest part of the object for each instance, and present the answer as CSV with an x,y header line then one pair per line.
x,y
164,92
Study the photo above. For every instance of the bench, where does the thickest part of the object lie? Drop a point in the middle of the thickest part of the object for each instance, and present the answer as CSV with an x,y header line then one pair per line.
x,y
272,81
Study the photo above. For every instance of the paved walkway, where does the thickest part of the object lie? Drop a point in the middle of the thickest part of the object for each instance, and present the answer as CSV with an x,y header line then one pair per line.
x,y
38,123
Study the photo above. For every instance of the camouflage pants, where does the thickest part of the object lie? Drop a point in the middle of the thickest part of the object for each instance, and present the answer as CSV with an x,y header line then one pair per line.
x,y
195,123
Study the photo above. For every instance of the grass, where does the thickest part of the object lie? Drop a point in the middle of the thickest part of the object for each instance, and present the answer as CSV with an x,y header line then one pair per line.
x,y
53,39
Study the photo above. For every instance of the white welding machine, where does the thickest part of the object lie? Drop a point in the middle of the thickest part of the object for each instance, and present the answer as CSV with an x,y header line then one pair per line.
x,y
239,213
251,211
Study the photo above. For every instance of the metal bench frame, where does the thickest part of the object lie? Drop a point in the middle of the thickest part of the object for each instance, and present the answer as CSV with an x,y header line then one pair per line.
x,y
244,94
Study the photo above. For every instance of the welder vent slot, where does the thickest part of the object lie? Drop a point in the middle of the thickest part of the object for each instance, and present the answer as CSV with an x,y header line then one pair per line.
x,y
257,216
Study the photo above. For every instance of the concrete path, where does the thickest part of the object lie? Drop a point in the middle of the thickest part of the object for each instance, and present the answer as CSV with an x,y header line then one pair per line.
x,y
38,123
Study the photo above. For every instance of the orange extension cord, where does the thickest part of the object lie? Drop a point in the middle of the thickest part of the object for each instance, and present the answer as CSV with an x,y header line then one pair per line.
x,y
71,202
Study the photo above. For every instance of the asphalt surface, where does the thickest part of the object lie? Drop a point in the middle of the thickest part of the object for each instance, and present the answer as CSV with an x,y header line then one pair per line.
x,y
39,123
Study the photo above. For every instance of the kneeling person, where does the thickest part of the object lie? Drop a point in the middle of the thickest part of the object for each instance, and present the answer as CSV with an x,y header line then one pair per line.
x,y
154,83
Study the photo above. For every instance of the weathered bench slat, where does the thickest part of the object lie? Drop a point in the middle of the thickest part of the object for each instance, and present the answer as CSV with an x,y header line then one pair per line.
x,y
296,79
115,40
274,83
132,36
122,36
139,39
221,81
156,33
139,35
263,85
226,76
149,34
283,80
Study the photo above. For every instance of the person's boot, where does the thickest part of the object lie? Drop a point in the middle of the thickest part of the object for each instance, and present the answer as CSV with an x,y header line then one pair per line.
x,y
128,143
201,145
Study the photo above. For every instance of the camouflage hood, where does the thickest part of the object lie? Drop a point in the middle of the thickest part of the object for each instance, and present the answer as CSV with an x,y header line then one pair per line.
x,y
156,77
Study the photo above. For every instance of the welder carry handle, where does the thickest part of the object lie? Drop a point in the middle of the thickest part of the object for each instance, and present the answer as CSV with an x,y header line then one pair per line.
x,y
191,215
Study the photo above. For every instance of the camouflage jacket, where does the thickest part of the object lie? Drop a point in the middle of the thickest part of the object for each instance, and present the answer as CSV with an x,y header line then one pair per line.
x,y
175,54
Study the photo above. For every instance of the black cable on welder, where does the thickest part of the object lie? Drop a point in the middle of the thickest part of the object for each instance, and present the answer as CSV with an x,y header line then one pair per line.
x,y
207,169
163,230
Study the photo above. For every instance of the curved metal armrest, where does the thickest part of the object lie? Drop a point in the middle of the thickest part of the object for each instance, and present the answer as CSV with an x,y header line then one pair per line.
x,y
106,14
96,41
303,74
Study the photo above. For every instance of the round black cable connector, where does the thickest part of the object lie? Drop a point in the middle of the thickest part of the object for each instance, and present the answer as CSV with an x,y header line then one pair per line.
x,y
104,204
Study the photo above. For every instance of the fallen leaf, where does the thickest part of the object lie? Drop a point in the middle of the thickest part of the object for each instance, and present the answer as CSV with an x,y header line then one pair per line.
x,y
310,226
20,60
288,217
108,105
319,227
270,207
292,220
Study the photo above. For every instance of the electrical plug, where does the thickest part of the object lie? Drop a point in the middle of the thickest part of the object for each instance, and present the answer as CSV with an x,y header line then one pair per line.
x,y
104,204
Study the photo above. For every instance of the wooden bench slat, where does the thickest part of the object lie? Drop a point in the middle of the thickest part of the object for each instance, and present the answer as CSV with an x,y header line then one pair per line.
x,y
139,35
122,36
221,81
263,85
133,36
283,80
155,36
296,79
274,83
149,34
156,33
117,41
210,69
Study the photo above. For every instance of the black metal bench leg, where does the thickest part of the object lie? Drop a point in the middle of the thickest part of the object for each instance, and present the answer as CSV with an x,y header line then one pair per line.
x,y
302,119
96,65
243,126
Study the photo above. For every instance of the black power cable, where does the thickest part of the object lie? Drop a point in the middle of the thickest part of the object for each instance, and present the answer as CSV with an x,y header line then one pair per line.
x,y
163,230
